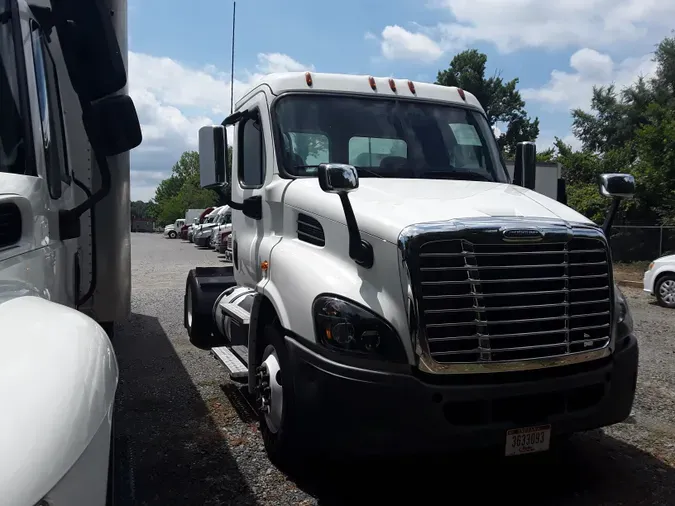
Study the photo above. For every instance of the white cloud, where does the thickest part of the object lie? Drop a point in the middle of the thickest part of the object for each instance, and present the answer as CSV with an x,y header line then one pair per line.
x,y
174,100
546,140
569,90
399,44
519,24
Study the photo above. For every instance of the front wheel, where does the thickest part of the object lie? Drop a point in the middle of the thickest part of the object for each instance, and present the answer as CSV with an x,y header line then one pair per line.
x,y
172,235
665,291
276,402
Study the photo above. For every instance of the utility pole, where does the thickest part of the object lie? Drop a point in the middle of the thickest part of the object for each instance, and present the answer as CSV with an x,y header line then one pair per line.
x,y
234,14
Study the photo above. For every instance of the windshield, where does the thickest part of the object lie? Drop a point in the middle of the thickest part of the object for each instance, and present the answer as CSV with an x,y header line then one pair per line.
x,y
386,138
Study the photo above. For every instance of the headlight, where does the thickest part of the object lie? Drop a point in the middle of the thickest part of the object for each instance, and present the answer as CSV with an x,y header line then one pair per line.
x,y
344,326
624,317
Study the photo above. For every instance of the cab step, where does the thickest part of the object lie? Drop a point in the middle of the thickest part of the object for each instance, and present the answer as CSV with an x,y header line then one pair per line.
x,y
235,360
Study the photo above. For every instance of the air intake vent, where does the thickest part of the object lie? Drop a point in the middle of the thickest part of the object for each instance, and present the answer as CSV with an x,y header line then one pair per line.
x,y
310,230
10,224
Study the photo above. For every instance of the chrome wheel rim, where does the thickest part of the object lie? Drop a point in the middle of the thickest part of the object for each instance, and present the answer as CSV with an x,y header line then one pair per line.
x,y
271,393
189,308
667,291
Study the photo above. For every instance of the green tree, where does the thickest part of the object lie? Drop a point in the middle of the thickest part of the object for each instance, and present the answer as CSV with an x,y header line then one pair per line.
x,y
182,190
632,130
500,99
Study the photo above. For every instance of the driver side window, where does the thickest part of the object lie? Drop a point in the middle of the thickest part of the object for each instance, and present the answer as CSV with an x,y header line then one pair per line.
x,y
251,155
51,118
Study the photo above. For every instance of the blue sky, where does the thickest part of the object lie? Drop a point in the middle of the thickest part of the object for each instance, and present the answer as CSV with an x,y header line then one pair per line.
x,y
179,56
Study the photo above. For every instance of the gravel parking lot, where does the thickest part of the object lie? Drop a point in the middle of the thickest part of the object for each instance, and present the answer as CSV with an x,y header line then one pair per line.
x,y
185,435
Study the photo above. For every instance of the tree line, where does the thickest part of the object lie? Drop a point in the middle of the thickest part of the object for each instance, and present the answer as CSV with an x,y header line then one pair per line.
x,y
629,130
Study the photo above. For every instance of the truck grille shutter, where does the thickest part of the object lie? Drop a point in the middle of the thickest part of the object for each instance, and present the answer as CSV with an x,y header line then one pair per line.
x,y
499,302
310,230
10,224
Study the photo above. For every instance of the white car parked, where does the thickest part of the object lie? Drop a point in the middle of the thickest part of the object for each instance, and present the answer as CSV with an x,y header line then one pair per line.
x,y
659,280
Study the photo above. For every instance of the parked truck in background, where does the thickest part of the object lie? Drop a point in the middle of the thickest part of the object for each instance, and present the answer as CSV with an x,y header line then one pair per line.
x,y
66,127
393,288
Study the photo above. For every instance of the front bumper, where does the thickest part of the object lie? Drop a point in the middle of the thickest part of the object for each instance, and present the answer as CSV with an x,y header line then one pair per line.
x,y
648,282
202,241
344,408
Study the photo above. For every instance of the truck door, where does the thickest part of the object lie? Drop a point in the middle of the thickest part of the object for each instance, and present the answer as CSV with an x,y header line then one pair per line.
x,y
33,162
252,165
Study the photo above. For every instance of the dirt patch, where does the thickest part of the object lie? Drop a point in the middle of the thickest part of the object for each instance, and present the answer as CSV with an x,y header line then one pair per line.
x,y
633,271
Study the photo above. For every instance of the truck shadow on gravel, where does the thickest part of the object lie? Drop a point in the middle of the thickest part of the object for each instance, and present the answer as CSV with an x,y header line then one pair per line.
x,y
168,449
590,469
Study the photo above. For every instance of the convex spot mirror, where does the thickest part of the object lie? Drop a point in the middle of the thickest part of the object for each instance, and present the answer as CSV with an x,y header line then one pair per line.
x,y
213,166
338,178
112,125
617,185
89,44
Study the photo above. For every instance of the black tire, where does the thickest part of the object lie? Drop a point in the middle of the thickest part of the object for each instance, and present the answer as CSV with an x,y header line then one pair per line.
x,y
109,328
282,446
172,234
199,323
665,291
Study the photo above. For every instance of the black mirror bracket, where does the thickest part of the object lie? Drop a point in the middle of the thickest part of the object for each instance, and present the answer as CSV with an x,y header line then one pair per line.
x,y
360,250
609,219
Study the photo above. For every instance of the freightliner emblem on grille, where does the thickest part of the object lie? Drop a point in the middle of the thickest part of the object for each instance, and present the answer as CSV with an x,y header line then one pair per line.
x,y
522,234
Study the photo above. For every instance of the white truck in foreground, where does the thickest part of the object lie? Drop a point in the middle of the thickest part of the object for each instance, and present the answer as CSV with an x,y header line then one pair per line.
x,y
66,126
392,289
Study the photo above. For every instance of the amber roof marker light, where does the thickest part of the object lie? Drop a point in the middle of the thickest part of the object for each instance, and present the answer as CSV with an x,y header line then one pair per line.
x,y
308,79
461,93
411,87
371,80
392,85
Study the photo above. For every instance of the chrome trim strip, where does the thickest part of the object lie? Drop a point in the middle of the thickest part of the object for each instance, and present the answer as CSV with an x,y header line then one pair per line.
x,y
479,229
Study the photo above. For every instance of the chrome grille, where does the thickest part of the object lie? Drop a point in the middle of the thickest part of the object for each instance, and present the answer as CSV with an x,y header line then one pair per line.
x,y
497,301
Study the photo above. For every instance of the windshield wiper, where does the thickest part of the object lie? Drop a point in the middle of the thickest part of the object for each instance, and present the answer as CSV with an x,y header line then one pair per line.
x,y
457,174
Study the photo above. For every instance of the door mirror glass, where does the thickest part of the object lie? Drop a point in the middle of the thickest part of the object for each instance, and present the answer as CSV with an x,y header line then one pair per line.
x,y
525,166
89,44
112,125
617,185
213,164
338,178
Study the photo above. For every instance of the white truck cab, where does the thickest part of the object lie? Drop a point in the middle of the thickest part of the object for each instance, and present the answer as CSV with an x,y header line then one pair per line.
x,y
393,288
66,126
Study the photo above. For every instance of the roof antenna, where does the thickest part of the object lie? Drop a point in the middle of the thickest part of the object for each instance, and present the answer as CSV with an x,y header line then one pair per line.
x,y
234,13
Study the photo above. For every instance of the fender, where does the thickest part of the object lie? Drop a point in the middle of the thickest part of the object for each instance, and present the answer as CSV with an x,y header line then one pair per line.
x,y
58,377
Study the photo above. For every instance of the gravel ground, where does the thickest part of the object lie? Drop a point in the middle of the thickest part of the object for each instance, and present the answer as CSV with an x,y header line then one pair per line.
x,y
186,436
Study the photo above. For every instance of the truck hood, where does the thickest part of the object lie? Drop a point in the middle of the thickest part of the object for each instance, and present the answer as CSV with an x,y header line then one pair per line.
x,y
58,376
384,207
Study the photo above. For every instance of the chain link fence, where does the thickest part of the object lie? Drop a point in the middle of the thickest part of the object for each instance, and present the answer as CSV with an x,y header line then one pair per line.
x,y
636,243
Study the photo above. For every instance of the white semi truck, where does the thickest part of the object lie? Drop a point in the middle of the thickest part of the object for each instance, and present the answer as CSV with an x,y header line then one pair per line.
x,y
392,289
66,126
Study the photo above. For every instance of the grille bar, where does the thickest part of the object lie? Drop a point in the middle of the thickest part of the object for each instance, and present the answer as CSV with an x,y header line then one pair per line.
x,y
495,301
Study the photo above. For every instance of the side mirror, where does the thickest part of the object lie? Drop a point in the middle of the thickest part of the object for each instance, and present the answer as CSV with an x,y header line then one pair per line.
x,y
213,167
338,178
112,125
525,166
342,179
89,44
617,186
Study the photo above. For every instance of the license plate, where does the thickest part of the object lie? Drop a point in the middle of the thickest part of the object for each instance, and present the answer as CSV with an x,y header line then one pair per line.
x,y
528,440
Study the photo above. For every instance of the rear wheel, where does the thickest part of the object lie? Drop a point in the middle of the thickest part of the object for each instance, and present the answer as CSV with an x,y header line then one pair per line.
x,y
665,291
198,324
